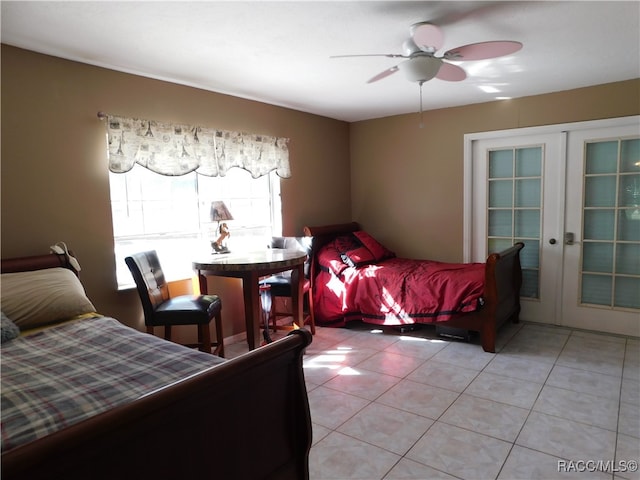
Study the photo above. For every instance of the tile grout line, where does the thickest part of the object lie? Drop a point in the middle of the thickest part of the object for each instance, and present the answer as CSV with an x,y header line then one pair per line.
x,y
515,440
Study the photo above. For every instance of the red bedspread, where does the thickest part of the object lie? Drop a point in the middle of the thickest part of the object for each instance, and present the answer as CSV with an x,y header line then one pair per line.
x,y
397,291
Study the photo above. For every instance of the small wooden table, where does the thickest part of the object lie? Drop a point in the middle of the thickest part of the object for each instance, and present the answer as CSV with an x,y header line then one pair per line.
x,y
250,267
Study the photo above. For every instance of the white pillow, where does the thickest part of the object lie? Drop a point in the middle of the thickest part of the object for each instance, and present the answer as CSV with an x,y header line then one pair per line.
x,y
36,298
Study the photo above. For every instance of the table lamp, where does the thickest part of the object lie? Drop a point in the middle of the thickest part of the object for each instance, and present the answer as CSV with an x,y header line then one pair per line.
x,y
220,213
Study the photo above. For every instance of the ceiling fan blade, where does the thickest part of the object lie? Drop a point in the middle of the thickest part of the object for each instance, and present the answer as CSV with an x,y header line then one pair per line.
x,y
451,73
389,55
383,74
428,37
483,50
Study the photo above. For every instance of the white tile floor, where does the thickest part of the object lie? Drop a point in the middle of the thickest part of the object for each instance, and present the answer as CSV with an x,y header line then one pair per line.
x,y
386,405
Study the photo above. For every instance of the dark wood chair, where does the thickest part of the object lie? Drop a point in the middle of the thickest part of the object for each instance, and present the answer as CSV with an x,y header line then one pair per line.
x,y
280,283
161,310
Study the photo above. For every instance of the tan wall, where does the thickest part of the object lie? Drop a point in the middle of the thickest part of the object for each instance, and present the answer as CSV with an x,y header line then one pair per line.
x,y
407,182
54,167
403,183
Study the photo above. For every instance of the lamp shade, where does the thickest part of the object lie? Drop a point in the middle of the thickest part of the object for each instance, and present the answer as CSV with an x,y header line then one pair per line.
x,y
220,212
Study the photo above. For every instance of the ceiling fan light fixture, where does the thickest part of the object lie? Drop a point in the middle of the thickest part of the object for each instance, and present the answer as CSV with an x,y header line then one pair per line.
x,y
421,68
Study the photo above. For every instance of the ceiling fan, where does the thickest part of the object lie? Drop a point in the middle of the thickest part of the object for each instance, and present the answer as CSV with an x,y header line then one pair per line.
x,y
421,63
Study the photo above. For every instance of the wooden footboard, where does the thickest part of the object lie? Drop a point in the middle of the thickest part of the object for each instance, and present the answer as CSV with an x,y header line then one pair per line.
x,y
502,282
245,419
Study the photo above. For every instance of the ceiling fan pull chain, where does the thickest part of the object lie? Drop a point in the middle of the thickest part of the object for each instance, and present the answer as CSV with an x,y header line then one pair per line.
x,y
421,111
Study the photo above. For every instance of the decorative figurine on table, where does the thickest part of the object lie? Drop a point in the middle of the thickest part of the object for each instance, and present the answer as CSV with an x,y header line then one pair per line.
x,y
220,213
220,245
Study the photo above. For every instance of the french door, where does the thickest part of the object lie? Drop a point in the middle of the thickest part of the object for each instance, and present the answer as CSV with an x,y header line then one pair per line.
x,y
571,194
604,256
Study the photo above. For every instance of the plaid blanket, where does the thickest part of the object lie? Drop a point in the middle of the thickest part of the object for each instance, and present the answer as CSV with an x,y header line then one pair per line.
x,y
65,374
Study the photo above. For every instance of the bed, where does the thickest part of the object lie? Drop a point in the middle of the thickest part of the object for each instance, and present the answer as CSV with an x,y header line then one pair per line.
x,y
84,396
354,277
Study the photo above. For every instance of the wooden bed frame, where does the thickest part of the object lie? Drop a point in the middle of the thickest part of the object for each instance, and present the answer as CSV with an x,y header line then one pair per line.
x,y
247,418
503,279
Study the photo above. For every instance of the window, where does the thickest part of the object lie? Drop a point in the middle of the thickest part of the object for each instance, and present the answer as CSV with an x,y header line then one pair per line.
x,y
171,214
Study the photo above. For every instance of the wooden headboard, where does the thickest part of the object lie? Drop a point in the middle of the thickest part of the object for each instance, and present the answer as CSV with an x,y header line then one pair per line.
x,y
325,233
322,235
36,262
331,230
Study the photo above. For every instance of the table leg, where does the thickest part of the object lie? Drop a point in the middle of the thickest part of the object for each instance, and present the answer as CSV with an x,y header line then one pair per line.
x,y
202,280
265,304
252,308
297,279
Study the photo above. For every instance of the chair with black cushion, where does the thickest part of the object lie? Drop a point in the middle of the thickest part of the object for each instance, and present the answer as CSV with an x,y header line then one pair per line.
x,y
280,283
161,310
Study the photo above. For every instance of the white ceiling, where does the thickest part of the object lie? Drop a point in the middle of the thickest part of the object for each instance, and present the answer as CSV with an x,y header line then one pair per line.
x,y
278,52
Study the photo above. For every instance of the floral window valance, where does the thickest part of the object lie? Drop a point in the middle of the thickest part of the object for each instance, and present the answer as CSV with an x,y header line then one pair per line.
x,y
175,149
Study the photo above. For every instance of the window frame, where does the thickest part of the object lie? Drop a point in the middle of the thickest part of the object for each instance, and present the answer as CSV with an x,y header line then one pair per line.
x,y
178,248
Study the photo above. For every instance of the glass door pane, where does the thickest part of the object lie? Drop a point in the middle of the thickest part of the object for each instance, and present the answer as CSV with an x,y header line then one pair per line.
x,y
610,266
515,208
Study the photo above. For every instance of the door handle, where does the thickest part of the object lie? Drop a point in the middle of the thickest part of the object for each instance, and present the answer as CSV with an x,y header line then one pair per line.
x,y
569,238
